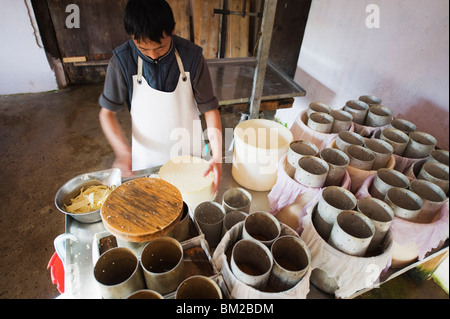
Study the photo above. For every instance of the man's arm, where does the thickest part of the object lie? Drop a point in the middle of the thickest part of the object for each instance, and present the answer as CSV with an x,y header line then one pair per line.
x,y
115,135
214,131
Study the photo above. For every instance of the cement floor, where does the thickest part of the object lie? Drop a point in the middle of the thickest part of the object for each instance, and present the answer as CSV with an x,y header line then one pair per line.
x,y
47,139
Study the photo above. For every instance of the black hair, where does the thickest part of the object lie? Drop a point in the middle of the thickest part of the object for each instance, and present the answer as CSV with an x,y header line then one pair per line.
x,y
148,19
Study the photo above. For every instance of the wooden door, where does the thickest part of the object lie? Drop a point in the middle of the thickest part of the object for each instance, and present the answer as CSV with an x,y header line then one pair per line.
x,y
85,50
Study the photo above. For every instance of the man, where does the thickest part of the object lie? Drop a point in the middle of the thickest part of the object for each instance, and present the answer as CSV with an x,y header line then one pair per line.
x,y
166,84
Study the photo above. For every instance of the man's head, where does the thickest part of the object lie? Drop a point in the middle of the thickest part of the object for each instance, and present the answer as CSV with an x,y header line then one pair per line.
x,y
150,23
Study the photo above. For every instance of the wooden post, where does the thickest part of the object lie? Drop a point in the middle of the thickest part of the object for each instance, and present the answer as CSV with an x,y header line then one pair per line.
x,y
270,7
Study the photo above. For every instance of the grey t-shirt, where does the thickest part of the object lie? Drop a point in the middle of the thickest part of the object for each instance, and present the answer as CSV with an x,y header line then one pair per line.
x,y
115,90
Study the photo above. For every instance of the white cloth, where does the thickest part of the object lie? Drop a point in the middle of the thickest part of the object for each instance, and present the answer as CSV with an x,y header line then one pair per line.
x,y
236,288
426,236
352,273
164,124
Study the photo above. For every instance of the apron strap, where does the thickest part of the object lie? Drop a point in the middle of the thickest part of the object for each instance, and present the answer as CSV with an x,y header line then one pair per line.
x,y
180,66
139,74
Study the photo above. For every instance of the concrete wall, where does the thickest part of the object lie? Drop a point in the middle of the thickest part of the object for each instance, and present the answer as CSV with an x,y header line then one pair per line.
x,y
405,61
24,67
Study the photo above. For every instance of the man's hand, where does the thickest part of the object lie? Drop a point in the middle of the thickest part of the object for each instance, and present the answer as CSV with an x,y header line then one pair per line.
x,y
124,163
215,168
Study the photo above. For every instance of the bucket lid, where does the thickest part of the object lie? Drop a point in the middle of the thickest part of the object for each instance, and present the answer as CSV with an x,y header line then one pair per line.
x,y
142,209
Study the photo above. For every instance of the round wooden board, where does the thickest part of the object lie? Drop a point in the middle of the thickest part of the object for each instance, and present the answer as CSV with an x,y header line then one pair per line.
x,y
143,209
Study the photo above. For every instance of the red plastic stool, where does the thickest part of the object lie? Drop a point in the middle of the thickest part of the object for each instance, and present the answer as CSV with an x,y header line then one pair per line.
x,y
57,272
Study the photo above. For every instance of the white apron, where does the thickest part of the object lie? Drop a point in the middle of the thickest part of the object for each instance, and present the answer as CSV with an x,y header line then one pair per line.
x,y
164,124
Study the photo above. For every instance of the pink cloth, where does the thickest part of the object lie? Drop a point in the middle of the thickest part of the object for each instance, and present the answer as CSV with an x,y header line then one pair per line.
x,y
363,191
426,236
286,191
403,164
368,131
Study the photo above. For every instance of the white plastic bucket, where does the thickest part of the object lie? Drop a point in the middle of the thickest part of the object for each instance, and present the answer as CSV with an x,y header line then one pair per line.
x,y
259,146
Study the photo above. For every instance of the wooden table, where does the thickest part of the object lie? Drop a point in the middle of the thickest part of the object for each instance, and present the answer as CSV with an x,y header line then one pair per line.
x,y
79,279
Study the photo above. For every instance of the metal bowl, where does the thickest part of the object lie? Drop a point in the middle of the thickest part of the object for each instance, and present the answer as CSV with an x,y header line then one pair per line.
x,y
72,188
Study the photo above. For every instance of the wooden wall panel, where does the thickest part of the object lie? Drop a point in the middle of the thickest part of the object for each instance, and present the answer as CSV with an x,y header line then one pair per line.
x,y
181,12
206,26
237,44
